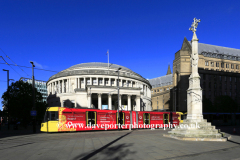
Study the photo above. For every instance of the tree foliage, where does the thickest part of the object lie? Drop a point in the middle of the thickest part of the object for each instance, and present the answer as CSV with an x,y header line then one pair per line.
x,y
20,99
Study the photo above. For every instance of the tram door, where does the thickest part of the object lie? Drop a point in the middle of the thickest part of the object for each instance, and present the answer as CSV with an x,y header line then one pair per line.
x,y
166,118
146,118
91,118
122,118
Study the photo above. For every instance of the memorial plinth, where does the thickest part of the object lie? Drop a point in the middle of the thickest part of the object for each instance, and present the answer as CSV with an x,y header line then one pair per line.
x,y
195,128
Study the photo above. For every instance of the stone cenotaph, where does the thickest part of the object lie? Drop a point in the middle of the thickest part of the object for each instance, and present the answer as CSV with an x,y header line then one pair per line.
x,y
195,128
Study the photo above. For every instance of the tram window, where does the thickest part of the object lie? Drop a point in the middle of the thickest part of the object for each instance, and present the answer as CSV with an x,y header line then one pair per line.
x,y
91,118
146,118
53,115
165,117
121,114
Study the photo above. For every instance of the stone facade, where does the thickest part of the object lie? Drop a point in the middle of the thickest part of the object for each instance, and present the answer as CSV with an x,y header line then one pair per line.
x,y
161,92
94,85
218,68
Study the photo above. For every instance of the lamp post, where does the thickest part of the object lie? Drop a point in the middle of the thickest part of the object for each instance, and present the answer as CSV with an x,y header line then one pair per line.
x,y
33,90
7,95
118,95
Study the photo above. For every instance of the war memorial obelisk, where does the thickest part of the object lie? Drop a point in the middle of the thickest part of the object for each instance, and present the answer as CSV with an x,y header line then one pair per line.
x,y
195,128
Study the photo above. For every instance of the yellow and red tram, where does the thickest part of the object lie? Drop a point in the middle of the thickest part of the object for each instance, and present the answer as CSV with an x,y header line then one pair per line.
x,y
60,119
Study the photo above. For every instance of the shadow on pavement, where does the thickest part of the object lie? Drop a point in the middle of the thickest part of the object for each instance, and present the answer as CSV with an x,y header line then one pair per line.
x,y
4,132
233,130
117,152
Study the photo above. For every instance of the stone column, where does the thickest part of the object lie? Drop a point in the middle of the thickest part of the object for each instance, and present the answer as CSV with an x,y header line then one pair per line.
x,y
109,101
63,86
84,83
90,80
76,83
137,107
67,85
89,95
99,100
58,87
194,92
129,103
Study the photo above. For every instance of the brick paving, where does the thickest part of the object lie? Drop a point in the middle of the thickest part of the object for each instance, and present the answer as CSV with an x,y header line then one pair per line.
x,y
137,144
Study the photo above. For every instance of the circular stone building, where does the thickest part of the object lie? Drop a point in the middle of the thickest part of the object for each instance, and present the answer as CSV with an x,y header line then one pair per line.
x,y
94,85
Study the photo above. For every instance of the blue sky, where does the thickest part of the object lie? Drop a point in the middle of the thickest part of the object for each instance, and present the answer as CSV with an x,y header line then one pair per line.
x,y
140,35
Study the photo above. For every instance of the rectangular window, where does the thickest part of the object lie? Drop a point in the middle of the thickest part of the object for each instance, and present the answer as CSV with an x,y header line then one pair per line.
x,y
206,63
212,64
232,66
227,65
100,81
94,81
236,66
217,64
222,65
88,81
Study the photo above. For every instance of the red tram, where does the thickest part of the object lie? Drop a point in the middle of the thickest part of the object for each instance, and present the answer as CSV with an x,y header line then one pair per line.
x,y
60,119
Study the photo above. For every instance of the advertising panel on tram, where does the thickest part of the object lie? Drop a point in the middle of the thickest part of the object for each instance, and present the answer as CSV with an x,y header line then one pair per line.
x,y
60,119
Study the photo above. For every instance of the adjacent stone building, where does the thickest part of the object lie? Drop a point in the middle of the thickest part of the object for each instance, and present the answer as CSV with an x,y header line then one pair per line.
x,y
161,87
218,68
94,85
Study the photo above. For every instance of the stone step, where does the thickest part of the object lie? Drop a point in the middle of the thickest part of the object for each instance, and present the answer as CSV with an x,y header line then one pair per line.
x,y
199,123
198,135
195,131
194,127
194,121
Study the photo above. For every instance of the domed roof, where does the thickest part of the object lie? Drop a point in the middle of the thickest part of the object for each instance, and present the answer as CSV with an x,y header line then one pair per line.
x,y
99,65
98,68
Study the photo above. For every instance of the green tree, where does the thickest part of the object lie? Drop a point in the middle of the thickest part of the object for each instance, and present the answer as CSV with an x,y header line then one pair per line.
x,y
21,102
225,104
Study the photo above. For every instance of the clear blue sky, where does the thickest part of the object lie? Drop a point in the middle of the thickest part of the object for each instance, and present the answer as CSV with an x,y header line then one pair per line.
x,y
140,35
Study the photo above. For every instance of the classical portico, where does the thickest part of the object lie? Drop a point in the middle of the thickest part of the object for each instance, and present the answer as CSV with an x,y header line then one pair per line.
x,y
127,98
94,85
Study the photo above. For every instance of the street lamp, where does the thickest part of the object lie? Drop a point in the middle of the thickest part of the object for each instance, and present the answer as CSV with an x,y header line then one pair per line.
x,y
7,95
118,95
33,90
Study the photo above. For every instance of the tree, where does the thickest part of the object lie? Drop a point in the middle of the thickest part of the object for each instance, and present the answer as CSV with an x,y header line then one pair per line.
x,y
21,101
225,104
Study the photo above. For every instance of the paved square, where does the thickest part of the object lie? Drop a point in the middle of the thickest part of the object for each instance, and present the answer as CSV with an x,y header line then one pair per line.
x,y
137,144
